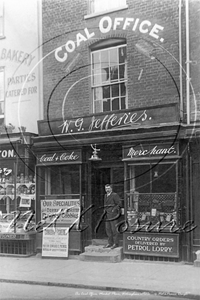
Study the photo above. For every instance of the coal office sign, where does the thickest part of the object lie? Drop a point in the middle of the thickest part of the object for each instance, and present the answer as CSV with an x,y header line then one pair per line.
x,y
151,244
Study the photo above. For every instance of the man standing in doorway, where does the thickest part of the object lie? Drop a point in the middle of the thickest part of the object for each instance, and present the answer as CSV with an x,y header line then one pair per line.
x,y
112,209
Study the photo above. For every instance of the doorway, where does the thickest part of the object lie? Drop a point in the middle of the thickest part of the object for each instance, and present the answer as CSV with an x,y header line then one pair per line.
x,y
102,176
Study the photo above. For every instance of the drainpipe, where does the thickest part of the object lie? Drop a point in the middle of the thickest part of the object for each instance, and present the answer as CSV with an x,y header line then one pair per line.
x,y
187,61
180,61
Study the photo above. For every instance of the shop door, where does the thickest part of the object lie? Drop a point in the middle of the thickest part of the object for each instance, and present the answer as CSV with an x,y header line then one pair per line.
x,y
102,176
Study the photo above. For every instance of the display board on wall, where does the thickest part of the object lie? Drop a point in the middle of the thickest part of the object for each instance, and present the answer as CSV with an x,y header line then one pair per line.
x,y
55,242
153,244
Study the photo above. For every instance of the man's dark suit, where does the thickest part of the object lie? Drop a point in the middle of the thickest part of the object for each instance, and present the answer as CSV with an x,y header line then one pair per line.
x,y
112,205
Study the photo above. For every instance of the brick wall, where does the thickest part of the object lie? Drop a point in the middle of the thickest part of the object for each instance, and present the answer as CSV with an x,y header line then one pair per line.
x,y
67,90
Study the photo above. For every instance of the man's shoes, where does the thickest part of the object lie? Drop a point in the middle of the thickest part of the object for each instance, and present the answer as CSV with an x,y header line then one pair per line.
x,y
107,246
114,246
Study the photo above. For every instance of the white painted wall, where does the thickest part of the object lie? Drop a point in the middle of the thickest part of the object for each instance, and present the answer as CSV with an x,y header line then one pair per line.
x,y
22,30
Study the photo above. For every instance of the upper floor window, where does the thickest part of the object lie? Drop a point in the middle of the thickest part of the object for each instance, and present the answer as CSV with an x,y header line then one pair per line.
x,y
1,19
96,6
109,79
2,91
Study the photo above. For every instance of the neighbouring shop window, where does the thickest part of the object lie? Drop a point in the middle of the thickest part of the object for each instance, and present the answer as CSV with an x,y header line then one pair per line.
x,y
96,6
2,91
1,18
109,79
152,192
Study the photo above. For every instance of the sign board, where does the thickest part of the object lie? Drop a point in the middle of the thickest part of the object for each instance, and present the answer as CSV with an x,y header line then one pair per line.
x,y
69,156
55,242
71,208
25,201
149,151
151,244
129,119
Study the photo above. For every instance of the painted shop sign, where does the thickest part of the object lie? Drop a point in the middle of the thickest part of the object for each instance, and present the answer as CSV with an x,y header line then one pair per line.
x,y
151,244
16,56
7,153
147,151
105,25
70,156
117,120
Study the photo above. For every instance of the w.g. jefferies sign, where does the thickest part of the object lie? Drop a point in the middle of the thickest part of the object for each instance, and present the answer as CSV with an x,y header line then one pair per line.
x,y
147,151
127,119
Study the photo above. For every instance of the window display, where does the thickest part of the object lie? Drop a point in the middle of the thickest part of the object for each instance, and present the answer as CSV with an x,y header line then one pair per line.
x,y
152,193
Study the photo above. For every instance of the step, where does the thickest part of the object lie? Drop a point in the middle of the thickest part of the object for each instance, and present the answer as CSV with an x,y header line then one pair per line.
x,y
98,253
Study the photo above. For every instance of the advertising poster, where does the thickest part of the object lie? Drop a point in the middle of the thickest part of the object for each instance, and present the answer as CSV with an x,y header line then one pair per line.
x,y
70,209
55,242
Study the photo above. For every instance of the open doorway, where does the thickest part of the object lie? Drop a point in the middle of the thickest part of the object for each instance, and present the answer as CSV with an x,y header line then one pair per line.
x,y
102,176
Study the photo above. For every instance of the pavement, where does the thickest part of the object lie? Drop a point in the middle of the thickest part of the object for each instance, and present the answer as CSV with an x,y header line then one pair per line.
x,y
161,278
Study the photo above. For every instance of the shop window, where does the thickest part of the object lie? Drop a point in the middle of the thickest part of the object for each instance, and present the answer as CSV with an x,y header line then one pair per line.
x,y
152,192
1,19
61,180
2,91
98,6
109,79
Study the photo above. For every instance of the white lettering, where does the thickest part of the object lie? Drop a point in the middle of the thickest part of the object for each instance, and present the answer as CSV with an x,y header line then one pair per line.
x,y
155,30
141,29
70,46
109,25
117,22
80,38
60,59
127,22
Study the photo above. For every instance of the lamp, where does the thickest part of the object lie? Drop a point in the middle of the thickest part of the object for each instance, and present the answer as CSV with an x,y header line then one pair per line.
x,y
145,48
94,156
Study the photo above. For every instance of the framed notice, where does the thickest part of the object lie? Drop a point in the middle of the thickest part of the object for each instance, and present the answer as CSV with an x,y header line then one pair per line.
x,y
55,242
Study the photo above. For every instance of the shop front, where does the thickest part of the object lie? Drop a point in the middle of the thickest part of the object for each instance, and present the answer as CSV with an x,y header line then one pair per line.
x,y
144,162
152,190
17,196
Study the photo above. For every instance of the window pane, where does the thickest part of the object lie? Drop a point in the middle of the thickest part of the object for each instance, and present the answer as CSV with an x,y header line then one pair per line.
x,y
114,73
122,55
97,77
163,178
105,74
96,60
115,90
122,71
106,92
123,89
104,58
114,56
123,103
115,104
97,106
106,105
98,93
65,180
142,178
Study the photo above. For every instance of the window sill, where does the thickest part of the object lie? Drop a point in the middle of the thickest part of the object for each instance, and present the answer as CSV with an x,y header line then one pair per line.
x,y
93,15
